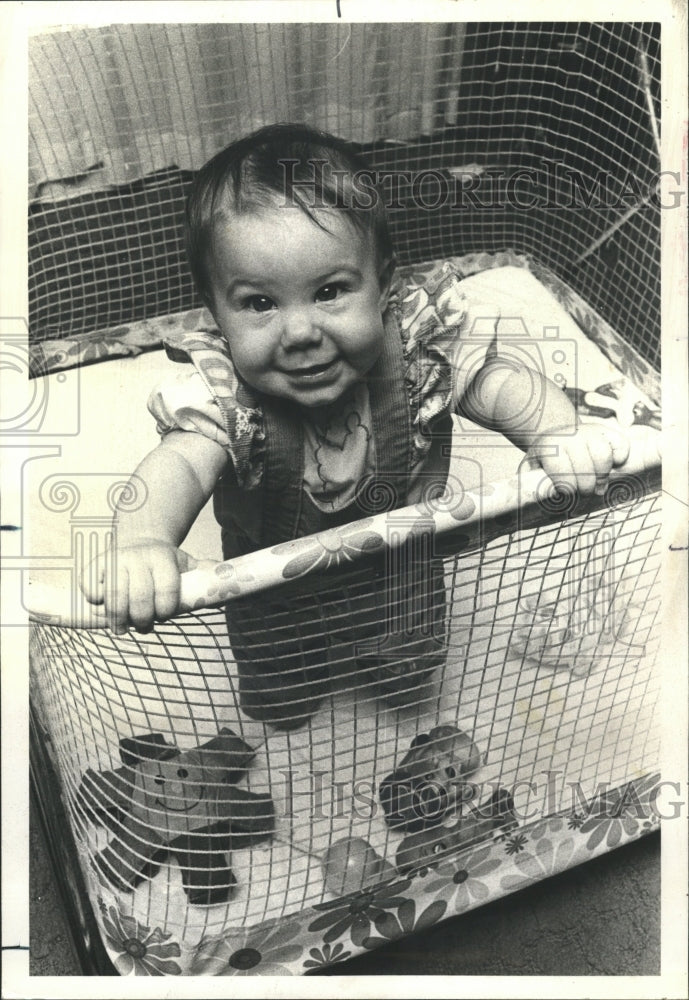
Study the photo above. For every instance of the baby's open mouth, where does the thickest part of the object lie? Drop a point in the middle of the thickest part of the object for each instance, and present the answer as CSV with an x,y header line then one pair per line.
x,y
312,370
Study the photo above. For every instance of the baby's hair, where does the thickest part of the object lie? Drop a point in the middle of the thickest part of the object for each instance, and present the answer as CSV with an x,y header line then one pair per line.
x,y
283,164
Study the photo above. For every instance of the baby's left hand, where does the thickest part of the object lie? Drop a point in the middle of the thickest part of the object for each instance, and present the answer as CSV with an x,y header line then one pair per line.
x,y
581,460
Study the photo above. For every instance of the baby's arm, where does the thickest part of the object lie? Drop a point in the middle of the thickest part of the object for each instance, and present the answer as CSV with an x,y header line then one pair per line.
x,y
138,581
537,416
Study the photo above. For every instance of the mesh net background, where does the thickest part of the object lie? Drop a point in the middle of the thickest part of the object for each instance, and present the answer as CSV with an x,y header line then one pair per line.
x,y
590,727
560,119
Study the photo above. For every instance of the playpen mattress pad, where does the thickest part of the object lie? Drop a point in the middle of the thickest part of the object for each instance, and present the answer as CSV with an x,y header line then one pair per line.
x,y
549,671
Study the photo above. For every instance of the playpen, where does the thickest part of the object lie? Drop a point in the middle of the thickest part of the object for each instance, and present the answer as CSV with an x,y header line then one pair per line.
x,y
189,839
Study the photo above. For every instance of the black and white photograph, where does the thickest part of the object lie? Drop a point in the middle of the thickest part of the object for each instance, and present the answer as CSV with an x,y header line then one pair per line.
x,y
344,499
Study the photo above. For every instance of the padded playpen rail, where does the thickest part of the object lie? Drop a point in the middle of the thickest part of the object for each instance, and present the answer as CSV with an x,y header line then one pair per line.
x,y
530,500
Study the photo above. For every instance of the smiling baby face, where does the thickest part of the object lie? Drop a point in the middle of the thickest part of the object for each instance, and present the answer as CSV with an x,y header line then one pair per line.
x,y
300,302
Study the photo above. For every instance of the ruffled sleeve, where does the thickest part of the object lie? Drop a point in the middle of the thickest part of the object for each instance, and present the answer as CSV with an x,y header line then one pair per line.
x,y
182,402
447,340
206,396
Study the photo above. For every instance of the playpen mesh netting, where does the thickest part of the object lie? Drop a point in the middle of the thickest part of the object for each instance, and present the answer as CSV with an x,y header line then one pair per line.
x,y
206,841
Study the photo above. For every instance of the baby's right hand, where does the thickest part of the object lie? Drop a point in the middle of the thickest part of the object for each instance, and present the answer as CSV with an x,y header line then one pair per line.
x,y
138,583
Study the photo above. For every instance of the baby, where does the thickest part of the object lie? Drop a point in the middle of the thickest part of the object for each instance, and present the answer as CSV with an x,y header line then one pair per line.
x,y
325,380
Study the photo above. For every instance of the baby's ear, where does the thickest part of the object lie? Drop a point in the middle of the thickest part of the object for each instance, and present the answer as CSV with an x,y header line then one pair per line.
x,y
385,276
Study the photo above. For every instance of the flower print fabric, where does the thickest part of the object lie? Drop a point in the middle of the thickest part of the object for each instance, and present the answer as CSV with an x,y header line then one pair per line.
x,y
357,914
139,950
267,950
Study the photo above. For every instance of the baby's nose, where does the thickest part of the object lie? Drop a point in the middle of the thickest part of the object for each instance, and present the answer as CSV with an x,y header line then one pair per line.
x,y
300,328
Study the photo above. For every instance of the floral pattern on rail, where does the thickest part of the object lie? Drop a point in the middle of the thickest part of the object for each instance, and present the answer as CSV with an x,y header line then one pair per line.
x,y
342,545
329,548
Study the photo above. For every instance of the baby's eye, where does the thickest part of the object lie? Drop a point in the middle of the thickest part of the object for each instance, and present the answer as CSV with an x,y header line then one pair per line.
x,y
259,303
328,293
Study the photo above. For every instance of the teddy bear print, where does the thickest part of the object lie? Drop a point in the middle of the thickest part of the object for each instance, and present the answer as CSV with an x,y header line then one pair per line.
x,y
187,803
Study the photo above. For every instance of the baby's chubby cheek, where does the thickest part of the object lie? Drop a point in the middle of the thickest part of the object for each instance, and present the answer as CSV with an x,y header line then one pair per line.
x,y
365,360
361,349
